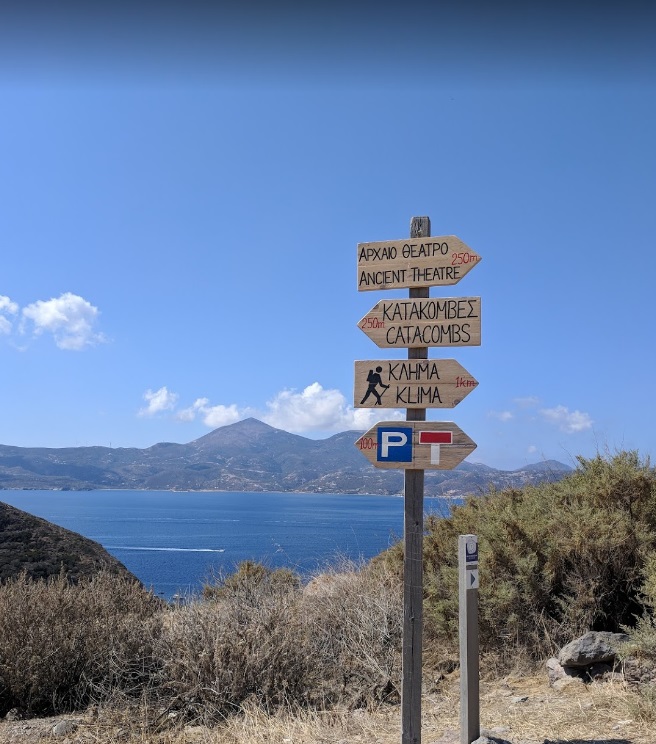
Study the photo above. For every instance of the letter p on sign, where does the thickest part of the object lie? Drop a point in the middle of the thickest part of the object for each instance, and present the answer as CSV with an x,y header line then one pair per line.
x,y
394,444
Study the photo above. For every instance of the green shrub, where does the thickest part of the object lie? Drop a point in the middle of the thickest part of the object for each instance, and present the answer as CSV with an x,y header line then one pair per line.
x,y
556,560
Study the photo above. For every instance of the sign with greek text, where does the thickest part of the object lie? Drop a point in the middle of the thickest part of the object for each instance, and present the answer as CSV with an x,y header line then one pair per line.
x,y
446,321
416,262
413,383
419,445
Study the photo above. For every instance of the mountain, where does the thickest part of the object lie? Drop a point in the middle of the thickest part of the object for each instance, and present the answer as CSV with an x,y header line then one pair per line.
x,y
42,549
247,456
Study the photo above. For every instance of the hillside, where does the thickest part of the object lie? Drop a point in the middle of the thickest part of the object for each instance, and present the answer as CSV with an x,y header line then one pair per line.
x,y
246,456
43,549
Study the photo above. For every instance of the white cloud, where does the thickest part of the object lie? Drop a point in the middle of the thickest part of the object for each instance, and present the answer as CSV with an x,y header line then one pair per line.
x,y
501,415
365,418
314,409
158,401
7,307
318,409
568,421
69,317
530,401
189,414
214,416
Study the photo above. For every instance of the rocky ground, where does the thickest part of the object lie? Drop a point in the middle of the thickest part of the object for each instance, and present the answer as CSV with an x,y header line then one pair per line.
x,y
519,710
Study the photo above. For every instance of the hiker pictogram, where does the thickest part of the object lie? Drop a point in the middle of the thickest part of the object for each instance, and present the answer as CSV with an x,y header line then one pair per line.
x,y
374,379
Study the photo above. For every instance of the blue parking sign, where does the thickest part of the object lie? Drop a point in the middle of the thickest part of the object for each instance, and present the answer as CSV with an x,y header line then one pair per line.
x,y
394,444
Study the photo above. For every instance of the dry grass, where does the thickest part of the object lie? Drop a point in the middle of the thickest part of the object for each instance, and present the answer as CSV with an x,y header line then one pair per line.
x,y
602,713
261,640
256,638
60,642
275,664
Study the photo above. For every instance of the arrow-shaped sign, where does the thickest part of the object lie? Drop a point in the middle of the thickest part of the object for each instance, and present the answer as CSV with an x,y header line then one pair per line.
x,y
415,262
416,445
434,321
412,383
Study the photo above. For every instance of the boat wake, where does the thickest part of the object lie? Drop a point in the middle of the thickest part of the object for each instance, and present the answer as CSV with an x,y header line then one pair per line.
x,y
167,550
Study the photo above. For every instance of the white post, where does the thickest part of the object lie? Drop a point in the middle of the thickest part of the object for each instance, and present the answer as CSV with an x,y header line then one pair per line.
x,y
470,728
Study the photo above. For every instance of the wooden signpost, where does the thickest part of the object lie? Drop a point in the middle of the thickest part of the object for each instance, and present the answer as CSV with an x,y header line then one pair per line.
x,y
423,445
419,262
415,445
436,321
417,383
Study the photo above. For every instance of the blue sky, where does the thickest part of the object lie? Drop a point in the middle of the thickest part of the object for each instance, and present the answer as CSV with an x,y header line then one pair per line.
x,y
182,193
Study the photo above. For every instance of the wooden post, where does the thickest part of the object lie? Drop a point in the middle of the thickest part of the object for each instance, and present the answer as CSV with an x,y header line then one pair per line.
x,y
413,538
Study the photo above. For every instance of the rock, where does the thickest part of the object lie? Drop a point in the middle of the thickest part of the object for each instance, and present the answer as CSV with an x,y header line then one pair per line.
x,y
496,734
598,670
636,671
556,671
519,699
64,727
565,682
488,736
594,647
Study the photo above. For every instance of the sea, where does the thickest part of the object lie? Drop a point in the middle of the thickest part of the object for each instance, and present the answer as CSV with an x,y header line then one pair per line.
x,y
175,542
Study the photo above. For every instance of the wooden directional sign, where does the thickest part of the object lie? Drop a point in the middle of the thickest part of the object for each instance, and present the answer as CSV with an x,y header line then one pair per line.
x,y
434,321
416,445
414,262
413,383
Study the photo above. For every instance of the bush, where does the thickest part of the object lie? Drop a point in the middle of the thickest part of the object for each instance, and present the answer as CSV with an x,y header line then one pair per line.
x,y
258,637
252,579
217,653
556,560
264,639
60,643
357,624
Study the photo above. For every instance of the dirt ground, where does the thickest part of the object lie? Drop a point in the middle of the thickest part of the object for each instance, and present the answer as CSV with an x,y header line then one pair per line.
x,y
521,710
